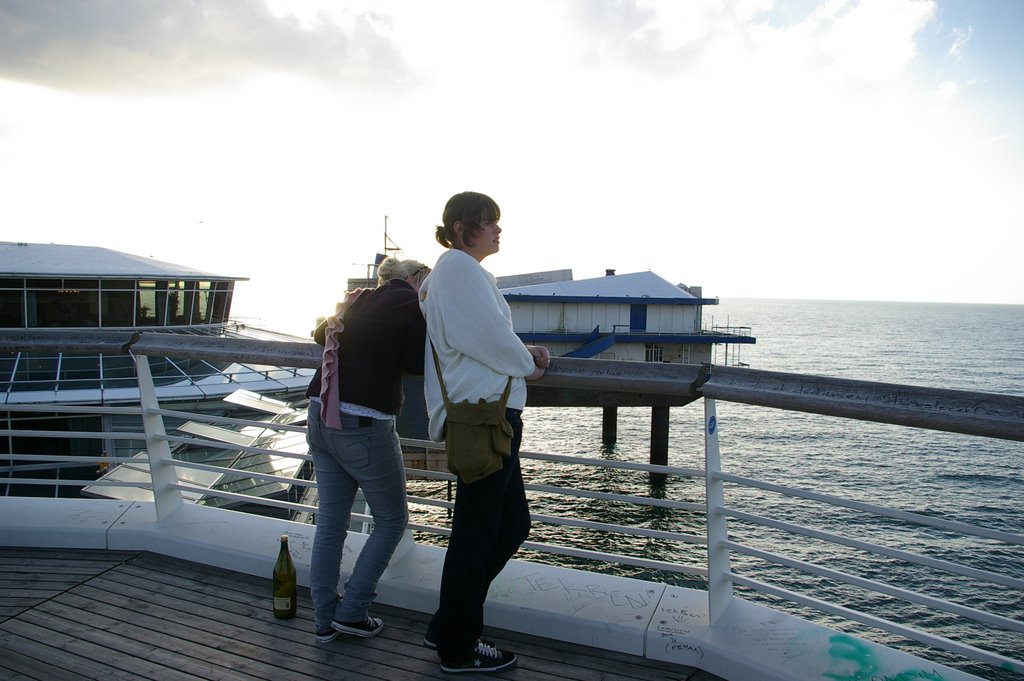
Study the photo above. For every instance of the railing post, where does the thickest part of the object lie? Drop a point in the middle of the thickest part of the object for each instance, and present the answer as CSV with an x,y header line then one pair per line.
x,y
719,584
166,496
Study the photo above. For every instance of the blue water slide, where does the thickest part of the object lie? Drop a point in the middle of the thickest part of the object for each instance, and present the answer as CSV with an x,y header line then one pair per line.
x,y
593,345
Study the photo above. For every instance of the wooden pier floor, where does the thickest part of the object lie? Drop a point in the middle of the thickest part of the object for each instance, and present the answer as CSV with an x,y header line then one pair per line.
x,y
93,614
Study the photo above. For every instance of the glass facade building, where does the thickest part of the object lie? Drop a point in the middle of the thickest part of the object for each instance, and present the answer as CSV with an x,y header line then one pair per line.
x,y
59,287
69,303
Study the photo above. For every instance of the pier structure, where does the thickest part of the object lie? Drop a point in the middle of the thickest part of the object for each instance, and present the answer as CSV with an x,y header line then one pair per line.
x,y
724,629
637,317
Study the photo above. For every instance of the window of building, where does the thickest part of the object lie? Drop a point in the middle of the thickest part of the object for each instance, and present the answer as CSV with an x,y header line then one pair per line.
x,y
221,301
202,310
179,302
118,371
12,309
35,373
652,353
42,302
116,305
7,363
59,446
112,303
79,303
152,304
78,372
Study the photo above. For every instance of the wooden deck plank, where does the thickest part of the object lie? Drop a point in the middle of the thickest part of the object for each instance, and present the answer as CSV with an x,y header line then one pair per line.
x,y
65,650
551,657
185,644
30,576
400,632
550,661
233,646
130,616
232,618
15,665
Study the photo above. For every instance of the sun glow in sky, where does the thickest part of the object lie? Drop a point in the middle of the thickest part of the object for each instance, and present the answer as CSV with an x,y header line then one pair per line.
x,y
841,149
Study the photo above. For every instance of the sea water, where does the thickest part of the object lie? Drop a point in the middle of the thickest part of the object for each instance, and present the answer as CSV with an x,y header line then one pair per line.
x,y
956,477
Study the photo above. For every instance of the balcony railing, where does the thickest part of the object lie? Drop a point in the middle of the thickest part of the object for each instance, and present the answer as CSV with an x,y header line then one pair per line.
x,y
698,539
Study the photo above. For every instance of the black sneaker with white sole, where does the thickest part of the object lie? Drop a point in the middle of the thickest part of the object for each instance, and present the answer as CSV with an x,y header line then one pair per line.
x,y
370,626
326,636
485,659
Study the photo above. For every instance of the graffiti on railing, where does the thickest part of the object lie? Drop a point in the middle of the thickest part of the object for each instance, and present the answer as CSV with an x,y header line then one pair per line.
x,y
574,592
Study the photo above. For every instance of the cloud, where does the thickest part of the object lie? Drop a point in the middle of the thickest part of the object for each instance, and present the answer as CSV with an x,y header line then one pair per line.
x,y
839,40
948,89
961,37
659,35
870,40
127,45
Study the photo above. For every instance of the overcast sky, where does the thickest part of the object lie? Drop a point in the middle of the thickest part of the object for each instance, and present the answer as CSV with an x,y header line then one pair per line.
x,y
867,150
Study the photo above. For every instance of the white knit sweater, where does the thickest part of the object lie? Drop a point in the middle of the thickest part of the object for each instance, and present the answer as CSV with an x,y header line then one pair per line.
x,y
469,324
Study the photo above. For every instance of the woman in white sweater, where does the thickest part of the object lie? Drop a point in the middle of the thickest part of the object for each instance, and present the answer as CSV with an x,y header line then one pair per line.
x,y
469,325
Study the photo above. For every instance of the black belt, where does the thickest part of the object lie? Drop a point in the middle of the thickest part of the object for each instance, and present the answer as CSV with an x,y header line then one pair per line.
x,y
361,421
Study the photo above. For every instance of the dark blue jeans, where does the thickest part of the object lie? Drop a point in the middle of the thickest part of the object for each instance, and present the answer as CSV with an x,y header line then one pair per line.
x,y
491,520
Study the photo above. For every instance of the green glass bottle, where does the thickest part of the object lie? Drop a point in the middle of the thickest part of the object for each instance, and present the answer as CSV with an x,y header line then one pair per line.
x,y
284,582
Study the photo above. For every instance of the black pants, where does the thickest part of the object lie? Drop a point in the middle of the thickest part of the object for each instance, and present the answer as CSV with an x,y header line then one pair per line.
x,y
491,520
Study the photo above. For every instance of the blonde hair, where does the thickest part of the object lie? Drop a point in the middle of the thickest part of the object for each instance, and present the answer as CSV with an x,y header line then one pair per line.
x,y
393,268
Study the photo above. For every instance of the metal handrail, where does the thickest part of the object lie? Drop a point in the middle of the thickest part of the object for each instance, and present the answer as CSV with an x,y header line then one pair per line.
x,y
968,412
880,587
916,518
955,411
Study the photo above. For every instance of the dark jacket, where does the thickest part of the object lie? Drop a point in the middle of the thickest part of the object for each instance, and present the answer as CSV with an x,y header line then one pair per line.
x,y
383,338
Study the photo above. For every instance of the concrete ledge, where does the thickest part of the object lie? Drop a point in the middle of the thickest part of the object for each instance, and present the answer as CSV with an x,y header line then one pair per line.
x,y
568,605
752,641
66,523
615,613
228,539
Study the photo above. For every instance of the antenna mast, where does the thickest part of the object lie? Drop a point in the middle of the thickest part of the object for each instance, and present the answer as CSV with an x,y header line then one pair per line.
x,y
371,267
387,240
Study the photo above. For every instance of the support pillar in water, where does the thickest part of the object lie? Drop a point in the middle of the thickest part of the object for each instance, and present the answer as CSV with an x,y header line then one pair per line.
x,y
609,425
659,439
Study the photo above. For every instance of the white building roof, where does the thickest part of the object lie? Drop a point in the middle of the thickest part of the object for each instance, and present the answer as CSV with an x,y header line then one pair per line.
x,y
19,259
533,278
636,285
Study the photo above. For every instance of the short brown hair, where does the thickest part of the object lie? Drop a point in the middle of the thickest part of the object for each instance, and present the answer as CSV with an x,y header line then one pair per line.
x,y
471,209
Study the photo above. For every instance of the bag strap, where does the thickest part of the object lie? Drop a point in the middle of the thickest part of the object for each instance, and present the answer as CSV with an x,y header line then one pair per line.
x,y
444,391
440,378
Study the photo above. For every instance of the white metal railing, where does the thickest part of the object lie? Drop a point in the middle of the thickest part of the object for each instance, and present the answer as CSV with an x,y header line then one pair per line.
x,y
723,552
726,559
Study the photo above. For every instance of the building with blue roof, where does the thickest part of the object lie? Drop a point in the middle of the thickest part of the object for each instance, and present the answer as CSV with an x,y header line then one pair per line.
x,y
632,317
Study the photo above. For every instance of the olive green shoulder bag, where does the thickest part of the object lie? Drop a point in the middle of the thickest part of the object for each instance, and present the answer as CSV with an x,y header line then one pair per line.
x,y
476,436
